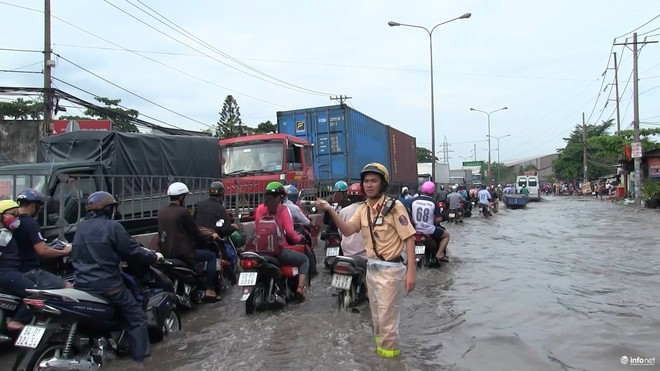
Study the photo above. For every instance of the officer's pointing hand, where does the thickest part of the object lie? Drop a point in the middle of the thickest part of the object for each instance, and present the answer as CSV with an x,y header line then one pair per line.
x,y
322,204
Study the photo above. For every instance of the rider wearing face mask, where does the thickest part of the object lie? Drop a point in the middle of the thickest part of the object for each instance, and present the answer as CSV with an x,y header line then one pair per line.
x,y
100,244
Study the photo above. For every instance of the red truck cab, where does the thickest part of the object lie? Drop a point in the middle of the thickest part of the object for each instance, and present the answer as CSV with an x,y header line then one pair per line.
x,y
249,163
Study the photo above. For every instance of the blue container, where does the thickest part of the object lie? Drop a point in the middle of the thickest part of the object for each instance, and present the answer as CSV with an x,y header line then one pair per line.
x,y
344,140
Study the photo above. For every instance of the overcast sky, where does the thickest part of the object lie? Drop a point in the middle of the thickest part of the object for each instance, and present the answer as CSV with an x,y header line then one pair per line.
x,y
544,60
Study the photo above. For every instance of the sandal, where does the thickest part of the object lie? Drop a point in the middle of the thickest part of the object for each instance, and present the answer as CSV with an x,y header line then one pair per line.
x,y
302,292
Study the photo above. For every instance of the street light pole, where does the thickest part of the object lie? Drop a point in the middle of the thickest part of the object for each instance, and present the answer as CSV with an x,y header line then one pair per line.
x,y
490,175
499,164
430,33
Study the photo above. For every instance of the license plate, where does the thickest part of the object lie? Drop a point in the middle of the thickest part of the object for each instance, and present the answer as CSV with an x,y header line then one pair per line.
x,y
247,279
218,265
332,251
30,336
451,215
341,281
420,249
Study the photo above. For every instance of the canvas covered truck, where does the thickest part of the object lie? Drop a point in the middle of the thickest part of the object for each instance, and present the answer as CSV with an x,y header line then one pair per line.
x,y
135,168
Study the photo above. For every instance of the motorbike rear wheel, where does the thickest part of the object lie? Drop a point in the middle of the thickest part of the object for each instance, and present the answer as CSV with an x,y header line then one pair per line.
x,y
42,353
257,297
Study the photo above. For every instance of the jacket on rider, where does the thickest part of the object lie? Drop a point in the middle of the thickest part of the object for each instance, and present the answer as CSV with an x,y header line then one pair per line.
x,y
98,247
210,213
177,233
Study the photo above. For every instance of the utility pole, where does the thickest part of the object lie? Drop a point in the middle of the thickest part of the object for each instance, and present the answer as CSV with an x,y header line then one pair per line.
x,y
585,177
341,99
475,152
637,146
48,64
638,160
618,118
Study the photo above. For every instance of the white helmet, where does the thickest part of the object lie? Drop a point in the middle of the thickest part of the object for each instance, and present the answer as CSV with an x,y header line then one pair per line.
x,y
404,189
177,188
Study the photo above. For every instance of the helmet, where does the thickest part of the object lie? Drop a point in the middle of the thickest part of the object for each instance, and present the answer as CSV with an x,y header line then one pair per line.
x,y
340,186
355,190
428,188
291,193
99,200
30,195
377,168
454,188
177,189
442,186
404,190
7,205
275,188
217,188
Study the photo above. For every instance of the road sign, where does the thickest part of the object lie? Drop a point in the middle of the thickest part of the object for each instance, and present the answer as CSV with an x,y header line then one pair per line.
x,y
636,150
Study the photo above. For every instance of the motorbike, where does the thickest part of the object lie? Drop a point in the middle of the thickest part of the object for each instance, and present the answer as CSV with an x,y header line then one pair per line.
x,y
332,248
266,283
9,304
425,249
494,205
76,330
189,284
485,210
455,216
349,277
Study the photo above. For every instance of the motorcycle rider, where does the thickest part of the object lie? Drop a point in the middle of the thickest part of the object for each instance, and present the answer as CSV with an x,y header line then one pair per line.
x,y
386,229
99,246
353,245
274,194
212,214
405,195
338,202
454,199
11,279
426,219
178,236
442,195
484,197
31,244
300,221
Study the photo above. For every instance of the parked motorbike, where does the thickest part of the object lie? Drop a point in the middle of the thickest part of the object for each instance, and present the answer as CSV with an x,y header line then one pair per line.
x,y
267,284
75,330
332,248
349,277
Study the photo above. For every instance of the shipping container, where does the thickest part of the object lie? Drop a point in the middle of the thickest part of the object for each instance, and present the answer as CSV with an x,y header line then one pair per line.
x,y
403,157
344,139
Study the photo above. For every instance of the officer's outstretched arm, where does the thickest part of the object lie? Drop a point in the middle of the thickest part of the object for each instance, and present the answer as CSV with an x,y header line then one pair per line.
x,y
347,228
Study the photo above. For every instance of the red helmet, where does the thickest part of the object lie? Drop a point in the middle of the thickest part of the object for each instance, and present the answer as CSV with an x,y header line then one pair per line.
x,y
355,190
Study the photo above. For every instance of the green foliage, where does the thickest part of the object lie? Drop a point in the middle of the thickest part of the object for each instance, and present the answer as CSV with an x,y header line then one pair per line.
x,y
529,167
265,128
651,188
230,124
120,117
21,109
502,173
424,155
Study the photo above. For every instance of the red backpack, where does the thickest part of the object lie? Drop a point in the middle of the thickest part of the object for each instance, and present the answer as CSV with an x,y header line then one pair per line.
x,y
268,237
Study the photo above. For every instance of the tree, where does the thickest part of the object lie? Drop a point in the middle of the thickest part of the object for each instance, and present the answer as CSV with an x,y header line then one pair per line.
x,y
530,167
265,128
502,173
119,116
424,155
230,124
21,109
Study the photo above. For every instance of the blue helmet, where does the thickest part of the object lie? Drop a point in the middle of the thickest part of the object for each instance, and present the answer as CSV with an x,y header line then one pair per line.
x,y
340,186
292,193
30,195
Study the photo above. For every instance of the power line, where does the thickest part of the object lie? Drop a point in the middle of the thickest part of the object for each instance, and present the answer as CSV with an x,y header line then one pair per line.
x,y
651,20
134,94
283,84
644,33
20,50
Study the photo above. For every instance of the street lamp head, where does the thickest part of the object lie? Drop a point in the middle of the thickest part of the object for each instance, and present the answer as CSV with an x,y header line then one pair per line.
x,y
505,108
465,16
393,24
472,109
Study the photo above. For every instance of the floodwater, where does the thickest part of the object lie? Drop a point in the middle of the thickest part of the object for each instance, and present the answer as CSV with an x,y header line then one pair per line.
x,y
565,284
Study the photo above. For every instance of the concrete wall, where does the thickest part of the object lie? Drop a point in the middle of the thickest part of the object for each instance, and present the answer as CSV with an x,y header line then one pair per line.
x,y
543,164
19,140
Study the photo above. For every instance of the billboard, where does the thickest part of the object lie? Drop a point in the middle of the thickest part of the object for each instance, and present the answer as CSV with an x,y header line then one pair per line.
x,y
65,126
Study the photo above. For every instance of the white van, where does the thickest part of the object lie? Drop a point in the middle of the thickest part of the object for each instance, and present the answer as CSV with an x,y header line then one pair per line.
x,y
532,184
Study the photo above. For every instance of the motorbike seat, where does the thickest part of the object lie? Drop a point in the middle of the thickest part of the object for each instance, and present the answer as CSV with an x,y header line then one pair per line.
x,y
361,262
72,294
272,260
177,262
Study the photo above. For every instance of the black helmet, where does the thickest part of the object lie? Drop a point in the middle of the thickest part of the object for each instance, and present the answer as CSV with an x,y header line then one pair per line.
x,y
216,188
99,200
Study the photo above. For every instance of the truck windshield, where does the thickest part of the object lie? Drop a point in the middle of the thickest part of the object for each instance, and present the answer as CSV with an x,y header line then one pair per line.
x,y
253,158
12,185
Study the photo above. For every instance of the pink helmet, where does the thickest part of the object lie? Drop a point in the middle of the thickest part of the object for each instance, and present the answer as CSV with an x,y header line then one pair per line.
x,y
428,188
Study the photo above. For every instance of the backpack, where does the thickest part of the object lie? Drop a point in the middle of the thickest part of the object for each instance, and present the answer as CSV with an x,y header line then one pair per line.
x,y
268,237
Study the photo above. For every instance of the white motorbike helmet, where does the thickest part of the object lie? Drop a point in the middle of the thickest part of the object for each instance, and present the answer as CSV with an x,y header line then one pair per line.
x,y
177,189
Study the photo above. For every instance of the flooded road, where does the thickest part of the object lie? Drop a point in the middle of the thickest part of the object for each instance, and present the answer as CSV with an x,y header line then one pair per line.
x,y
565,284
